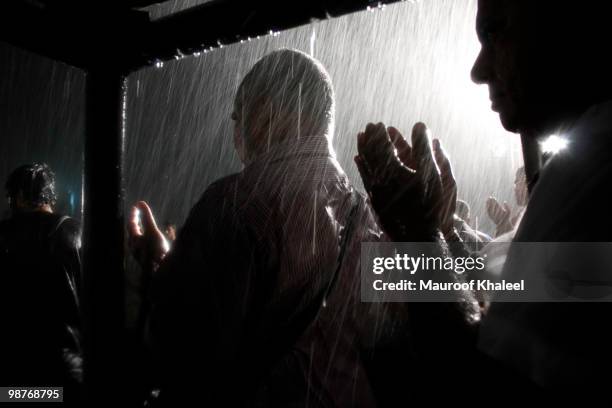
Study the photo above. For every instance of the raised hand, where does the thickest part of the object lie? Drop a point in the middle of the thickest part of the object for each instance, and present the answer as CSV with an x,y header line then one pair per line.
x,y
449,189
146,241
500,215
497,212
411,188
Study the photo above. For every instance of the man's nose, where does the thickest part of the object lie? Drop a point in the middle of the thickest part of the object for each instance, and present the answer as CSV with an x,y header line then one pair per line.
x,y
480,69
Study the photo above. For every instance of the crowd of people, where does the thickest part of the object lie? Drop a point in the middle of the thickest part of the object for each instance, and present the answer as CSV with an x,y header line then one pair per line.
x,y
257,302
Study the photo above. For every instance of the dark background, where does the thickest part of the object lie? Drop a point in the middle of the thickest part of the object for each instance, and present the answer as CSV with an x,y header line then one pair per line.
x,y
42,119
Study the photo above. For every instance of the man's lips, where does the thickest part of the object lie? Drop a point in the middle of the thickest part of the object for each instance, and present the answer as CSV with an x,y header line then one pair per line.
x,y
496,100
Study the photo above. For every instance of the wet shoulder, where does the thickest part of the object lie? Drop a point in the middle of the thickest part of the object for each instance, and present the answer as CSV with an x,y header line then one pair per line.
x,y
217,192
68,231
36,228
218,198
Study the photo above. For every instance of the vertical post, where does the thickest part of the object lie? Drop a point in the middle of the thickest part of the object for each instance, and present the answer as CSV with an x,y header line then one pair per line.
x,y
103,300
532,158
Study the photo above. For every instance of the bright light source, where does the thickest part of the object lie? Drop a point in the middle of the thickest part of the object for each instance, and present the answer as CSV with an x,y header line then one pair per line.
x,y
553,144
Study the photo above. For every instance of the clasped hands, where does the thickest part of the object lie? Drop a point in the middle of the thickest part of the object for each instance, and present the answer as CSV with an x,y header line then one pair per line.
x,y
411,186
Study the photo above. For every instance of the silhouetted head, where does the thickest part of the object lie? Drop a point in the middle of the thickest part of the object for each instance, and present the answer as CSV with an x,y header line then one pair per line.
x,y
31,187
287,94
545,61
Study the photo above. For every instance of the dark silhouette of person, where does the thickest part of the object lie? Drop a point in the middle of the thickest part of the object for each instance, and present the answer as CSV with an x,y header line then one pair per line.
x,y
258,301
563,347
546,67
39,279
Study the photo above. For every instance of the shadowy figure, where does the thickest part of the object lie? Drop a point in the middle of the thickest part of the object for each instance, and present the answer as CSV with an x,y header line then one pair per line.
x,y
258,302
563,348
39,279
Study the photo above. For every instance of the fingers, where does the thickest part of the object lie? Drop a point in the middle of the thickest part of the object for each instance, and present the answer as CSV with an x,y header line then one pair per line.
x,y
375,149
507,208
146,217
426,167
364,172
421,151
404,151
441,158
488,205
449,186
492,202
493,208
444,165
134,229
497,212
421,146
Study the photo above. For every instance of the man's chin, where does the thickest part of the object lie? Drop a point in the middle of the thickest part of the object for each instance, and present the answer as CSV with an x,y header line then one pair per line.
x,y
509,122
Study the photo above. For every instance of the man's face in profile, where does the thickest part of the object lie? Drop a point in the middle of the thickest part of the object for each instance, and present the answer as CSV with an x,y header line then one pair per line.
x,y
536,59
499,63
521,45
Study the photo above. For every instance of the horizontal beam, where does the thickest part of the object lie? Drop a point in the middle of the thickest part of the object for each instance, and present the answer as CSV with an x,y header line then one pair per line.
x,y
73,34
229,21
88,38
